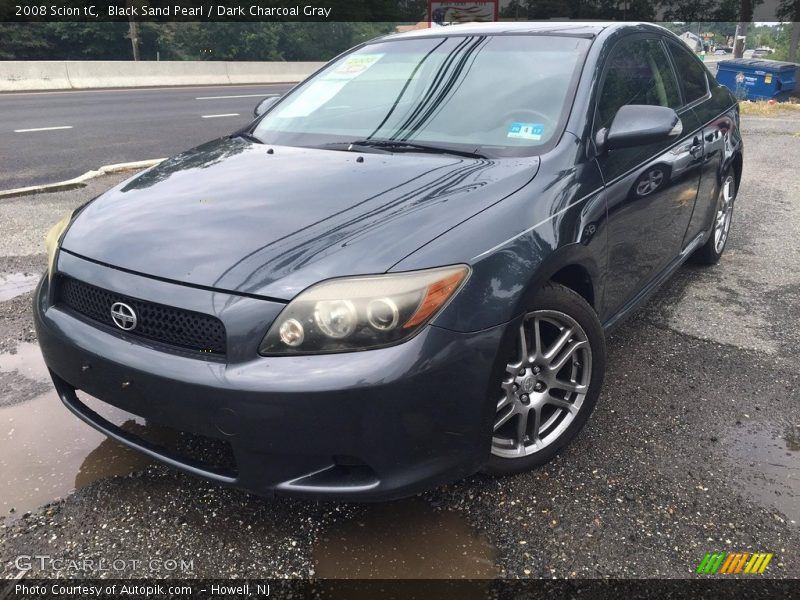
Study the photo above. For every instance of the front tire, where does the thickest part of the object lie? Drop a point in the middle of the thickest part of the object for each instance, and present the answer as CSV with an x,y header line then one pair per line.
x,y
551,381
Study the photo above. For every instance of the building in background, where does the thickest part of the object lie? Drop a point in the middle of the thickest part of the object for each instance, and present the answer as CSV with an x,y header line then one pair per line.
x,y
694,41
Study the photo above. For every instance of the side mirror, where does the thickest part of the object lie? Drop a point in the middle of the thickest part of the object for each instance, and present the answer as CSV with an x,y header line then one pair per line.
x,y
262,106
639,125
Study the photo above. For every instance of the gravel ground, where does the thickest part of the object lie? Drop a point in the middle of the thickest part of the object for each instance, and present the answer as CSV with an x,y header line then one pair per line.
x,y
16,322
25,222
694,446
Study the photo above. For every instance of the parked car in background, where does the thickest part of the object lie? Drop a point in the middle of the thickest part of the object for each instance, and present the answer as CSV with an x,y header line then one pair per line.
x,y
404,270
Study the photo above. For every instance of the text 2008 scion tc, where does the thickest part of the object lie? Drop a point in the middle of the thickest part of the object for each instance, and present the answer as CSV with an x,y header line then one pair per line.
x,y
403,271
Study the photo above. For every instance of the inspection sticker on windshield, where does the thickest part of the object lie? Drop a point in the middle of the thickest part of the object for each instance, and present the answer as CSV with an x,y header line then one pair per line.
x,y
526,131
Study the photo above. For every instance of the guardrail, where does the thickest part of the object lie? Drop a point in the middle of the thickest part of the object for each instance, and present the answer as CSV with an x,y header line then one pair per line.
x,y
74,75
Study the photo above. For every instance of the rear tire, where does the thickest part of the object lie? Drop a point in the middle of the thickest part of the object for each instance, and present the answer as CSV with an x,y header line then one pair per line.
x,y
710,252
551,382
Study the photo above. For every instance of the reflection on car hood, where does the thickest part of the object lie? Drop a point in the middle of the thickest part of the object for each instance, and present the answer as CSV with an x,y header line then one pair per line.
x,y
229,215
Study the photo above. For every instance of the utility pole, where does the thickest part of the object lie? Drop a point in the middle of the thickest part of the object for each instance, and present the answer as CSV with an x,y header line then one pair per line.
x,y
795,39
745,16
133,32
739,39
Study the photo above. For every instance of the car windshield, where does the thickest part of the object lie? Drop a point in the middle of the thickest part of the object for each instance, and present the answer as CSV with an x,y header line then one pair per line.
x,y
505,95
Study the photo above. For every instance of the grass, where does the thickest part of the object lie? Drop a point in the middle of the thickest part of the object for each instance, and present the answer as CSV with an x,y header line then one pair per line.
x,y
762,108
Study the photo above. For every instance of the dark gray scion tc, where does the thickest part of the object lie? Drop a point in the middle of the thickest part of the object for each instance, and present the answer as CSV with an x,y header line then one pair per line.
x,y
403,271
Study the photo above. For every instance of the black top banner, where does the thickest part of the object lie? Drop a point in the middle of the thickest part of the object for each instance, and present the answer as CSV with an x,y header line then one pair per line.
x,y
397,11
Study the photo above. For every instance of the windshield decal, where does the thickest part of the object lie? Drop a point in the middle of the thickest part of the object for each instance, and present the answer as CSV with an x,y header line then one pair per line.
x,y
526,131
329,84
353,66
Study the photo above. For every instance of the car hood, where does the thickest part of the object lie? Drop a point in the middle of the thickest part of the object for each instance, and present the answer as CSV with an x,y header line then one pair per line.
x,y
232,216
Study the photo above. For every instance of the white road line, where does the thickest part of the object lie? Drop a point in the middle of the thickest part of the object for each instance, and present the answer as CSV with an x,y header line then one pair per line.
x,y
216,116
240,96
43,129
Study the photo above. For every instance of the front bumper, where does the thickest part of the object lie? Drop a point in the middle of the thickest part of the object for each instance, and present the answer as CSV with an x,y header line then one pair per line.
x,y
371,425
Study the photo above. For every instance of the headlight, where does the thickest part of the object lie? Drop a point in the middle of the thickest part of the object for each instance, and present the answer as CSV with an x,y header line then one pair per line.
x,y
358,313
53,241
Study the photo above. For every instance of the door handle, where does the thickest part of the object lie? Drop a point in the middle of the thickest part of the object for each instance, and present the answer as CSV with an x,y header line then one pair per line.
x,y
696,148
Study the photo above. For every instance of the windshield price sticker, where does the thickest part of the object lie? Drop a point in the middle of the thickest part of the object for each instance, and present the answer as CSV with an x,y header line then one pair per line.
x,y
353,66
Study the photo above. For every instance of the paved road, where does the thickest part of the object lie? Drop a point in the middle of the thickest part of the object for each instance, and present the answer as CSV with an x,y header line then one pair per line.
x,y
110,126
694,446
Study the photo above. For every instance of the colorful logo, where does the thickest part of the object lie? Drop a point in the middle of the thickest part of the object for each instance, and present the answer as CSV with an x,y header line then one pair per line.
x,y
734,563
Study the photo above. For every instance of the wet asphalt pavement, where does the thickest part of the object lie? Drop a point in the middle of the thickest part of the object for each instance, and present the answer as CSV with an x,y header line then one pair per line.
x,y
114,126
694,446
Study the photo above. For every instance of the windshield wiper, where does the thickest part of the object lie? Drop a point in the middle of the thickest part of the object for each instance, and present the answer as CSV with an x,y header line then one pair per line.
x,y
401,146
246,135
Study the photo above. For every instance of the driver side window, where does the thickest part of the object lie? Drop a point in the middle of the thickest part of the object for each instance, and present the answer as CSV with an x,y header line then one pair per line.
x,y
637,72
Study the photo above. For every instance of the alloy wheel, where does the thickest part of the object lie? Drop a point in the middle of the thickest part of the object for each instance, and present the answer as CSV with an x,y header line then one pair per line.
x,y
544,384
650,183
722,221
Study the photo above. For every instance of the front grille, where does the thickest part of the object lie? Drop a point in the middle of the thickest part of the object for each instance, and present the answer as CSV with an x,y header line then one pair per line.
x,y
172,326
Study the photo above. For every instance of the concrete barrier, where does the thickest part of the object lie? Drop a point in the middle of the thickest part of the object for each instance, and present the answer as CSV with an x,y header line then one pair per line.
x,y
105,74
66,75
276,72
34,75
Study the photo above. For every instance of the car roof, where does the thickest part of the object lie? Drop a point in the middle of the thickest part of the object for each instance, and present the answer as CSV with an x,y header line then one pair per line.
x,y
587,29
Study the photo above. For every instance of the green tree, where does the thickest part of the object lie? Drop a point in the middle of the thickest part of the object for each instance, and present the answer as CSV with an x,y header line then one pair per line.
x,y
216,41
323,41
89,41
24,41
789,10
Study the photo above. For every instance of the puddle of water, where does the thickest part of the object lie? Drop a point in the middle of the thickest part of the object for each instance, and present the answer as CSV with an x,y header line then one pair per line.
x,y
406,539
46,452
27,361
769,466
16,284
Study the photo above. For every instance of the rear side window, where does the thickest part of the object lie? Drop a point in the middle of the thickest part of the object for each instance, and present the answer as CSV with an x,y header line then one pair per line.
x,y
638,72
693,75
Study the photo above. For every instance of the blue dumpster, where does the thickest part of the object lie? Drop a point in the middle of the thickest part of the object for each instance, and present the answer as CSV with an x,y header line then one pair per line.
x,y
758,79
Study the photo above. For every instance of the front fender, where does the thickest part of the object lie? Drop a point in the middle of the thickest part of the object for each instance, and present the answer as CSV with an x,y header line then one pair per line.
x,y
517,245
504,282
